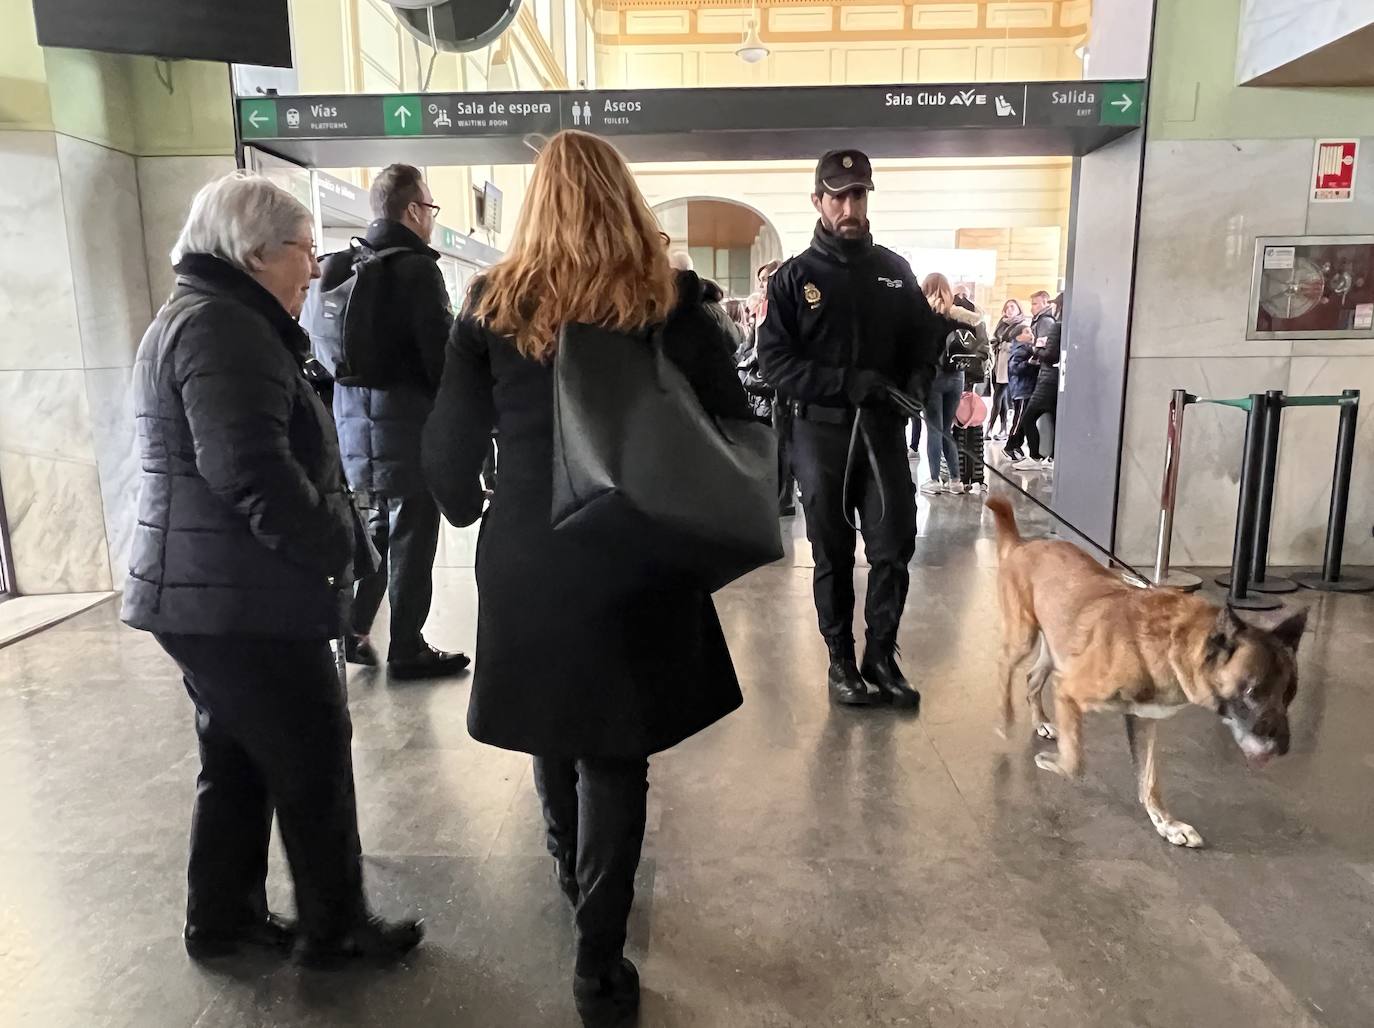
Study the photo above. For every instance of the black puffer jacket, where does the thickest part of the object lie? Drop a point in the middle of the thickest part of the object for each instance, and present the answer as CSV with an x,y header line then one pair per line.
x,y
244,525
379,428
1046,358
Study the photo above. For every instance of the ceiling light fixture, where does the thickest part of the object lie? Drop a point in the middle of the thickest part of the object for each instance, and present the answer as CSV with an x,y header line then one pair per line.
x,y
752,50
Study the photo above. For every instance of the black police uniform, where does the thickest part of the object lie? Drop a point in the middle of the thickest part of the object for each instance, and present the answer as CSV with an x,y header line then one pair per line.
x,y
844,317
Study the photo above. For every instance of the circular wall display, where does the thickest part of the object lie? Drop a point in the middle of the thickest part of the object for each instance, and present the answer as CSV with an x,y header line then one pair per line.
x,y
456,26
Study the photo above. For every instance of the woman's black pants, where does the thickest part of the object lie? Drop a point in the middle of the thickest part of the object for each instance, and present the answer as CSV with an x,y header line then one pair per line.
x,y
272,720
1001,406
594,808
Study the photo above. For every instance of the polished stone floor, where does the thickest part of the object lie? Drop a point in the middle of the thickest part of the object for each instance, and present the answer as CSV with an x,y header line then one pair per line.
x,y
804,865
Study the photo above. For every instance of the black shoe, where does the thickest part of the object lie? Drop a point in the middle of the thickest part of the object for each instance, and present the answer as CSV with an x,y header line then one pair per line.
x,y
358,650
846,685
372,939
880,668
567,881
428,663
609,1000
271,933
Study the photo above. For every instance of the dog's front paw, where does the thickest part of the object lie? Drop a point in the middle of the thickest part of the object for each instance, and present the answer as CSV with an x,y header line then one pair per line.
x,y
1046,731
1178,833
1049,762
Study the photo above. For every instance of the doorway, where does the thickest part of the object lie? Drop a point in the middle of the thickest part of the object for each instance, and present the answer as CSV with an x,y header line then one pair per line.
x,y
726,239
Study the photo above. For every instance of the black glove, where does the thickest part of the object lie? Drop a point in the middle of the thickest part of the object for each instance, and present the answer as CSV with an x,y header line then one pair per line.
x,y
865,388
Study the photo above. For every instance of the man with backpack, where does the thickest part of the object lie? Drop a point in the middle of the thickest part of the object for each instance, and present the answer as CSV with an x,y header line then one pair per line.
x,y
379,319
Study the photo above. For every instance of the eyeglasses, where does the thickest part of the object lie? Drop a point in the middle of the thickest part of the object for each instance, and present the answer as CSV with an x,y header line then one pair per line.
x,y
432,206
307,245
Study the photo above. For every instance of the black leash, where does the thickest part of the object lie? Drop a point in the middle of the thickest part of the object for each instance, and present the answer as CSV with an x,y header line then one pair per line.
x,y
910,406
860,431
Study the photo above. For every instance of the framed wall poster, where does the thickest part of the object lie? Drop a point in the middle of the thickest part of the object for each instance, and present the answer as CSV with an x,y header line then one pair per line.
x,y
1312,287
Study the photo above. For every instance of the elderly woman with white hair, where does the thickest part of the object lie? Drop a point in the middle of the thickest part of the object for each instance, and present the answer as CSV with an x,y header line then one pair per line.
x,y
240,568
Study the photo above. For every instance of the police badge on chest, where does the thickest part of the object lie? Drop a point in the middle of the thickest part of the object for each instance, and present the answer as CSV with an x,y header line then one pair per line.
x,y
812,295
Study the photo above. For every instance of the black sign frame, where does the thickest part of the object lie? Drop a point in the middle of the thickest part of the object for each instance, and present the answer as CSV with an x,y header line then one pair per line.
x,y
741,123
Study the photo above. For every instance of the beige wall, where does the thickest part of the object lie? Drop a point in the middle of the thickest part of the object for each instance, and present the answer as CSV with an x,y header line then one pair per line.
x,y
693,44
918,204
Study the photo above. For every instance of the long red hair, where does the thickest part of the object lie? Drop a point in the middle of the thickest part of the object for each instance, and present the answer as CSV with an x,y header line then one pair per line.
x,y
586,249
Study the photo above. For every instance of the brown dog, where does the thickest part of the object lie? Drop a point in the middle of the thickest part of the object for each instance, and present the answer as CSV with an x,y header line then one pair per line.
x,y
1146,653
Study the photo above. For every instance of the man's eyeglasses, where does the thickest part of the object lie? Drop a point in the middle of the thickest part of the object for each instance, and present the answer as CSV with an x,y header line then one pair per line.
x,y
432,206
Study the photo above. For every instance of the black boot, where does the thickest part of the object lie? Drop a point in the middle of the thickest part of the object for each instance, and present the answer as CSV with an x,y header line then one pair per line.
x,y
370,939
846,685
880,668
273,932
610,1000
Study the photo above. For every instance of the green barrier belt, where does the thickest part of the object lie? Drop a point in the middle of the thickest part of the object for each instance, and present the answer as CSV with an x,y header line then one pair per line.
x,y
1317,401
1243,403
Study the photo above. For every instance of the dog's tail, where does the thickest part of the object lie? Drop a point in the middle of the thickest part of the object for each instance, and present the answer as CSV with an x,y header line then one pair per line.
x,y
1008,535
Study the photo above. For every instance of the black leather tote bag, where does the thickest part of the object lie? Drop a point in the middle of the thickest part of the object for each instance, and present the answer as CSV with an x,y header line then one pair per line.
x,y
640,465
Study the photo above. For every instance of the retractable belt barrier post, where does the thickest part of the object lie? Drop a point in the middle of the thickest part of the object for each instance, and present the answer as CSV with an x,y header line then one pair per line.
x,y
1260,581
1168,494
1330,579
1247,508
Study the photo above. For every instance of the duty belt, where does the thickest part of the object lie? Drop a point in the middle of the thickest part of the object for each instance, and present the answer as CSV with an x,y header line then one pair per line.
x,y
823,415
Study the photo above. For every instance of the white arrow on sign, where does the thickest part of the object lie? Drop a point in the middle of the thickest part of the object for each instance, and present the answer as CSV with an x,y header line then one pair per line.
x,y
402,113
1124,103
256,119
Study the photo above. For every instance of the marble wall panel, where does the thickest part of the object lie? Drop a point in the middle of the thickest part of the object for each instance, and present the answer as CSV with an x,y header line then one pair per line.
x,y
1213,437
38,323
109,267
166,187
1306,459
116,457
56,520
1203,204
44,414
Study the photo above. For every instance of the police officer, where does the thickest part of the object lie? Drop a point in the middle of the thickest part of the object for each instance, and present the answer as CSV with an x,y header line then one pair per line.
x,y
846,320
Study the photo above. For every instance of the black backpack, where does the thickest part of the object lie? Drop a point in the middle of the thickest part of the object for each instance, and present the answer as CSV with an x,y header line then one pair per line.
x,y
342,321
964,349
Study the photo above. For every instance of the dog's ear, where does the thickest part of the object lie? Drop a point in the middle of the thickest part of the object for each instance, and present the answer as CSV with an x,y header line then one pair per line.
x,y
1289,630
1221,641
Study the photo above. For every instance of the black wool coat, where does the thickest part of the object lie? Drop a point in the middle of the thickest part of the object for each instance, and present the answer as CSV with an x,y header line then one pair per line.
x,y
244,524
573,659
379,427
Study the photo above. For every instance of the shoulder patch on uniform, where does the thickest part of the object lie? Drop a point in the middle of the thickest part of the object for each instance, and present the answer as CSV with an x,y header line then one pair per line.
x,y
812,294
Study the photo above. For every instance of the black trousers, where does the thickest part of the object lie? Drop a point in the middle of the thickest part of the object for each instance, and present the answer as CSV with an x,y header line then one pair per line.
x,y
594,809
1001,411
405,530
819,454
787,481
272,720
1026,428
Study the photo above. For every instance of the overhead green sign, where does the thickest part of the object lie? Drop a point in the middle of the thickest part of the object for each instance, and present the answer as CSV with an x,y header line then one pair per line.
x,y
1122,103
401,116
259,118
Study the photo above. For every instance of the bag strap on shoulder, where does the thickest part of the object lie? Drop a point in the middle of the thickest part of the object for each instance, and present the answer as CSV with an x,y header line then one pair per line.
x,y
361,249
